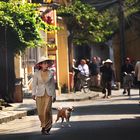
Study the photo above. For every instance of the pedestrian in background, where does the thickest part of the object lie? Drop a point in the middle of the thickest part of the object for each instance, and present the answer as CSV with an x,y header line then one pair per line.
x,y
43,91
94,73
83,68
127,70
83,73
137,73
76,80
107,75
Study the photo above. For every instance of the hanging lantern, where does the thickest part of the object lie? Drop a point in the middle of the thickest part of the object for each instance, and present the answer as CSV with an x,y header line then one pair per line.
x,y
49,20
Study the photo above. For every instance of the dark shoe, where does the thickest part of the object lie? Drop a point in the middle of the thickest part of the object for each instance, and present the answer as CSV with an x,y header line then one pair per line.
x,y
45,133
128,92
124,92
104,91
104,96
108,97
43,129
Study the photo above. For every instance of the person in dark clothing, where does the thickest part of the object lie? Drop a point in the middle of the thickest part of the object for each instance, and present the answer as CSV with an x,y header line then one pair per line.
x,y
76,85
94,73
127,72
107,75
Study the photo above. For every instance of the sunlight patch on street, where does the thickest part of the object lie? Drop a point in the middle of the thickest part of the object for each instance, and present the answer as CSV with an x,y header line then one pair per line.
x,y
103,117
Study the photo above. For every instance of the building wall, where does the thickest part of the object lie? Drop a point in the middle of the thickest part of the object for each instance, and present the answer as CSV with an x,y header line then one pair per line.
x,y
133,44
17,62
60,53
62,56
132,50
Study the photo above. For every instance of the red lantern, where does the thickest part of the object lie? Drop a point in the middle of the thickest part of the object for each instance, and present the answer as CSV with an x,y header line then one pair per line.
x,y
49,20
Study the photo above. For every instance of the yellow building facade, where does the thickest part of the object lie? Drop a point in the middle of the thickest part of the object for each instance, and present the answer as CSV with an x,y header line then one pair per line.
x,y
59,53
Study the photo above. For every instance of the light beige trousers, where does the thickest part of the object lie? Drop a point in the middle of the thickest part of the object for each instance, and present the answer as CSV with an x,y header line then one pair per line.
x,y
44,106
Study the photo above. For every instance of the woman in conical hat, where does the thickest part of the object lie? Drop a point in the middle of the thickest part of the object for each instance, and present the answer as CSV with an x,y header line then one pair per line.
x,y
108,61
107,76
43,92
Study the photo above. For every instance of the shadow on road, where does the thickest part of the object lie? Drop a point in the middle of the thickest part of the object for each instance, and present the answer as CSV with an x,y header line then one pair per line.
x,y
127,129
121,129
108,109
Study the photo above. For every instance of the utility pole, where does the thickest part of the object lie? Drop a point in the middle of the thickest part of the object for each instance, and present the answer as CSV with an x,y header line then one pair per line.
x,y
6,62
122,30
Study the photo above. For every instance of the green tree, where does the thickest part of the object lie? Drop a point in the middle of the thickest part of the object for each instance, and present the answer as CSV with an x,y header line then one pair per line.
x,y
89,24
20,26
85,24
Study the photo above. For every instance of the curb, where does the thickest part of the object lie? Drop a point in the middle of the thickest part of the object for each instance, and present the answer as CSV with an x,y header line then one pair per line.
x,y
18,114
79,99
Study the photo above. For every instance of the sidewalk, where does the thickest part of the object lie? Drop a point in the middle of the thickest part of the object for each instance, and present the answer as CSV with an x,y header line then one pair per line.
x,y
28,106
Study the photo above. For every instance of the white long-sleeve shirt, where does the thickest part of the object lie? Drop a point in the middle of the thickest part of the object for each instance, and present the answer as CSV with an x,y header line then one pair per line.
x,y
39,86
84,69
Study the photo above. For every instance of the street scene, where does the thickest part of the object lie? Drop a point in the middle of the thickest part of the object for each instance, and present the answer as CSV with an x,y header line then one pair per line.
x,y
69,69
117,118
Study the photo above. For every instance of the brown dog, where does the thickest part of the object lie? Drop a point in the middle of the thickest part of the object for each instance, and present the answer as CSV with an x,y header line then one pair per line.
x,y
64,112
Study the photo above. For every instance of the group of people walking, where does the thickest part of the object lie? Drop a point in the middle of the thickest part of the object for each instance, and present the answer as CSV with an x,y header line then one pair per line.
x,y
102,74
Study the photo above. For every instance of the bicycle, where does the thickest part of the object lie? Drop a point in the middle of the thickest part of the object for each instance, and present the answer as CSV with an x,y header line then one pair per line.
x,y
85,85
128,82
81,82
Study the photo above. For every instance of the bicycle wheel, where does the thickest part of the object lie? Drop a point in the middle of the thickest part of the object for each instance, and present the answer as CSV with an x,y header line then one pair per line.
x,y
77,86
86,89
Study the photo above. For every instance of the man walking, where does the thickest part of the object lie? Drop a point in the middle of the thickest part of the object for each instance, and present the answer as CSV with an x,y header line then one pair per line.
x,y
127,69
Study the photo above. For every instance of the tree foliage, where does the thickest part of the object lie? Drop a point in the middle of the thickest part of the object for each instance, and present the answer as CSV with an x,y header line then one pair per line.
x,y
20,26
85,23
22,22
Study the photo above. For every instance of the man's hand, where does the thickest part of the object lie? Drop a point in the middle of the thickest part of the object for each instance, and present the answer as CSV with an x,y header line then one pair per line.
x,y
34,97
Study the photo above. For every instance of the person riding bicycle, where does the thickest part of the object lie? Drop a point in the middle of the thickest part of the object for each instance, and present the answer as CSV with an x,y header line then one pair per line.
x,y
83,68
83,72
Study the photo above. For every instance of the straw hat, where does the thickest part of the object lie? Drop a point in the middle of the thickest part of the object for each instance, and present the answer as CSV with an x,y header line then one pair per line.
x,y
42,59
108,61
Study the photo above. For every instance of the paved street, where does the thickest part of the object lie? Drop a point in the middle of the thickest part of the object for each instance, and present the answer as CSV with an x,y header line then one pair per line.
x,y
117,118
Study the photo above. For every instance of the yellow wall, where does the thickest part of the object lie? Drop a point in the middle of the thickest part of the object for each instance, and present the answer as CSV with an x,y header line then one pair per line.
x,y
17,62
62,55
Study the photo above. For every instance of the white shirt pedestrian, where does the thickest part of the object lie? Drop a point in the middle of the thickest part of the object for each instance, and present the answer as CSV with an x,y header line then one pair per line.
x,y
137,70
83,68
